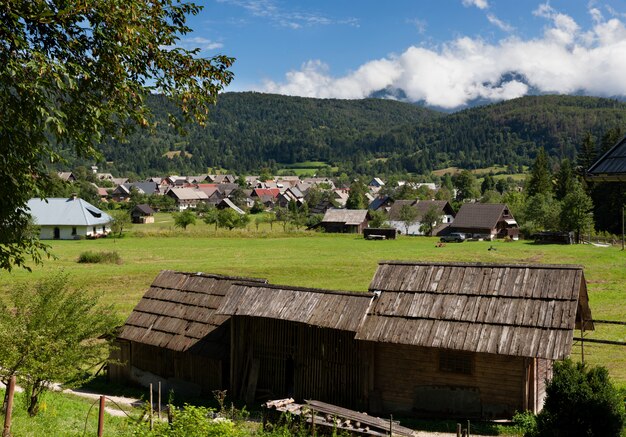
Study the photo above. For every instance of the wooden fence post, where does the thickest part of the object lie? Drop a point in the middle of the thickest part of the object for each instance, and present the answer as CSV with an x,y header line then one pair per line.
x,y
151,413
159,407
7,418
101,417
391,424
458,430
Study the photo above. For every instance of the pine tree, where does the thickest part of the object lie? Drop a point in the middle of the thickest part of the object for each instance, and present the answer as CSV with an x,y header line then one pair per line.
x,y
540,181
564,179
588,154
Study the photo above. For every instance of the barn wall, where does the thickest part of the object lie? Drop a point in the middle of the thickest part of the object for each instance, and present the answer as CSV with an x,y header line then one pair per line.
x,y
297,360
182,372
408,379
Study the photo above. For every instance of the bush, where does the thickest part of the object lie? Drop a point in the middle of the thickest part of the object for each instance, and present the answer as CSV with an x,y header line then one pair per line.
x,y
526,423
581,401
90,257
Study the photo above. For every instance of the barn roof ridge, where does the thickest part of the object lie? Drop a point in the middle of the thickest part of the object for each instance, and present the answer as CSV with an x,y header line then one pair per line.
x,y
365,293
483,264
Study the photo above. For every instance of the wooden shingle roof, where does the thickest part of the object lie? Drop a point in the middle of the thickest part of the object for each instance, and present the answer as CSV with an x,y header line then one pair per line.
x,y
178,313
323,308
346,216
520,310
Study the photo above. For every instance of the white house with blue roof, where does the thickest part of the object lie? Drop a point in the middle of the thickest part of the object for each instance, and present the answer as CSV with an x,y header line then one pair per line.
x,y
68,219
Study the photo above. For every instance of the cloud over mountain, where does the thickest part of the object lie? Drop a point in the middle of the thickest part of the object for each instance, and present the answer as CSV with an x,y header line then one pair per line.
x,y
565,59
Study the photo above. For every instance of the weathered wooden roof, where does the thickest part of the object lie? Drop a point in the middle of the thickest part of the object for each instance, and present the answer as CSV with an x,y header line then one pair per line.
x,y
178,313
346,216
612,165
521,310
323,308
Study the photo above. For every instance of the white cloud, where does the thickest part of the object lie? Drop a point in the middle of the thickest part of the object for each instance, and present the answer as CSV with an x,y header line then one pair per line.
x,y
564,59
480,4
420,25
502,25
287,18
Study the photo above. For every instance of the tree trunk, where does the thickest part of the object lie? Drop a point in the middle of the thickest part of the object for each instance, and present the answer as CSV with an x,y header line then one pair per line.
x,y
33,405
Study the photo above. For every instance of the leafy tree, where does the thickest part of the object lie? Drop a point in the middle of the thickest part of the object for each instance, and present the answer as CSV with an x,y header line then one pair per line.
x,y
465,183
51,333
504,185
74,73
121,221
257,207
357,199
229,218
210,216
541,212
581,401
281,215
184,219
610,138
488,184
408,216
443,194
540,180
576,211
377,218
491,196
430,220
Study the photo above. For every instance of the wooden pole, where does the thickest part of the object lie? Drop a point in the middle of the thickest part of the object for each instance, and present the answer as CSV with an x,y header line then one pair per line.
x,y
312,423
622,225
101,417
159,407
468,428
458,430
151,412
582,337
391,424
7,418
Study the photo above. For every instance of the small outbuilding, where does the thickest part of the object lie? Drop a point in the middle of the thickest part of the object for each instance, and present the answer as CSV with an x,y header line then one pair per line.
x,y
68,219
351,221
142,213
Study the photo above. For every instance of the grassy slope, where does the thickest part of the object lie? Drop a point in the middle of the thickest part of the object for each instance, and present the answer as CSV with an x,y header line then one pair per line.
x,y
324,261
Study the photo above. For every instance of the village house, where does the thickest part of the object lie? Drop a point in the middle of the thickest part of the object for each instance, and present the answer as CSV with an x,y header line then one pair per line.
x,y
486,220
442,207
428,339
68,219
67,176
187,197
351,221
122,193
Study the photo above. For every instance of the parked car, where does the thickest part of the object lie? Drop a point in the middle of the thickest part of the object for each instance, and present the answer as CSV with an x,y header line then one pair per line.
x,y
454,237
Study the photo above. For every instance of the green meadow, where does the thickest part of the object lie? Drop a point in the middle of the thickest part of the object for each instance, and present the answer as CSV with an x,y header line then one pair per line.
x,y
308,259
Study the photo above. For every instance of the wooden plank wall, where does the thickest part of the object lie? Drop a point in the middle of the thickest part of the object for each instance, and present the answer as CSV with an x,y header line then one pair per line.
x,y
544,374
327,364
120,352
207,373
400,371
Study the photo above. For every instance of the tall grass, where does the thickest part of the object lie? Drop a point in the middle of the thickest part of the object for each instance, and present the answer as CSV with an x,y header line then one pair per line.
x,y
90,257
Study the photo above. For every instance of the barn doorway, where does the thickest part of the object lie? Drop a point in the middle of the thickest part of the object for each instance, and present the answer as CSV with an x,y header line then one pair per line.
x,y
57,233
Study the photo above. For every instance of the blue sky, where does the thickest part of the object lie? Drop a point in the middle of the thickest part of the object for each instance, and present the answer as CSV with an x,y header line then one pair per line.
x,y
442,52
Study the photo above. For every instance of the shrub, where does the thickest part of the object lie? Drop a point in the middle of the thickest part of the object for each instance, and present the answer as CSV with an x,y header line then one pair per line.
x,y
90,257
581,401
526,423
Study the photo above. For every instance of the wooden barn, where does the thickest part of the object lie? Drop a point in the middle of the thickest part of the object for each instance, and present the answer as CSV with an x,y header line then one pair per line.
x,y
470,339
296,342
175,336
429,338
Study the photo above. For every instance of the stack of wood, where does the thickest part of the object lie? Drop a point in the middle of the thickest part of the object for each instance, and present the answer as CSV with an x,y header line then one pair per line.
x,y
321,414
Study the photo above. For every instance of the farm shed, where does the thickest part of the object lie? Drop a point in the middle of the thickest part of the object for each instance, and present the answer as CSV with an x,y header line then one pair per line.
x,y
174,334
470,339
297,342
351,221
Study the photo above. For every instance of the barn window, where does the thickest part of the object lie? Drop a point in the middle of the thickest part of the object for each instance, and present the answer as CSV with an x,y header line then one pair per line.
x,y
456,362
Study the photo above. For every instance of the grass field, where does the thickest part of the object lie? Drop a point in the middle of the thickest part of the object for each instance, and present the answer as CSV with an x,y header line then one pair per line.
x,y
343,262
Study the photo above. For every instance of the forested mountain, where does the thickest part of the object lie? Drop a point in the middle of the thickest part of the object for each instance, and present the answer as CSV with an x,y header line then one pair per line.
x,y
249,131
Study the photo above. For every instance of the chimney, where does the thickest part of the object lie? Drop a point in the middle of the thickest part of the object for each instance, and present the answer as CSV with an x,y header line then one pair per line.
x,y
73,196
